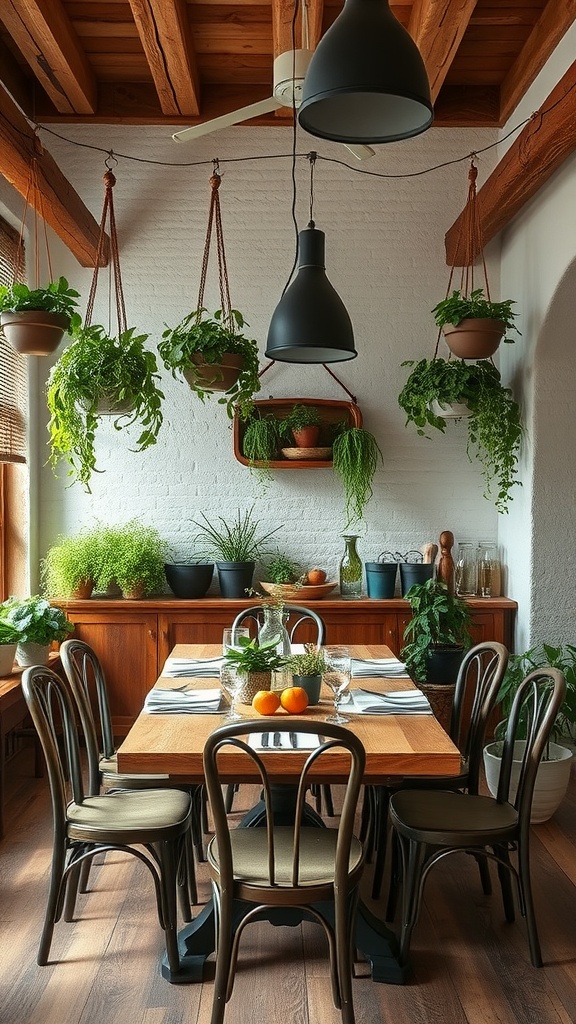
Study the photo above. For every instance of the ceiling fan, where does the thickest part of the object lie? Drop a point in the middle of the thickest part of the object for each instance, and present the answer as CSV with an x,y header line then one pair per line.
x,y
290,70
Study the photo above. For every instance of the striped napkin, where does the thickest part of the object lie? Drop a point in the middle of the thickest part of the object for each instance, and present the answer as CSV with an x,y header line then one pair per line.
x,y
395,702
378,668
190,668
182,702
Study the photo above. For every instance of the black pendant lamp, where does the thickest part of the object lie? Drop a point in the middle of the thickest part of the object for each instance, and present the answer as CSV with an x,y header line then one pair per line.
x,y
310,323
366,81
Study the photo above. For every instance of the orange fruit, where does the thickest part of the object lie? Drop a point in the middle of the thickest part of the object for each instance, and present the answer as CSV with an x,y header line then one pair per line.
x,y
266,702
294,699
316,577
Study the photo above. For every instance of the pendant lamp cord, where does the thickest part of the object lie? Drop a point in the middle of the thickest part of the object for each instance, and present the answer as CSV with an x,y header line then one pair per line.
x,y
109,180
312,158
34,199
215,218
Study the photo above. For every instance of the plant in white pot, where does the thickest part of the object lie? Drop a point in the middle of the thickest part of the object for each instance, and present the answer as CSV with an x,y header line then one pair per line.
x,y
38,625
554,771
9,637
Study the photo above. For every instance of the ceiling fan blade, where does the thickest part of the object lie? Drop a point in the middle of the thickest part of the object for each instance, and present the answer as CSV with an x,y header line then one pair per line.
x,y
226,120
361,152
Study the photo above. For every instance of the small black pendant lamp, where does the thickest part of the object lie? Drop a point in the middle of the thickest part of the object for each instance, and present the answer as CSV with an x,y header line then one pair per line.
x,y
366,81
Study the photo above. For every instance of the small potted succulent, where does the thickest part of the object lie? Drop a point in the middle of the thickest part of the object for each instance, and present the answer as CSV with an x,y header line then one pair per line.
x,y
38,625
473,325
307,671
237,545
212,356
255,662
34,320
302,425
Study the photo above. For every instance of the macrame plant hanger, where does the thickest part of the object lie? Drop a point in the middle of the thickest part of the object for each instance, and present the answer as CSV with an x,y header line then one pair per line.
x,y
108,213
215,219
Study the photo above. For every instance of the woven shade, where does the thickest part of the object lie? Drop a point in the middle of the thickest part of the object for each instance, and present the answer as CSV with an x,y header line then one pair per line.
x,y
13,389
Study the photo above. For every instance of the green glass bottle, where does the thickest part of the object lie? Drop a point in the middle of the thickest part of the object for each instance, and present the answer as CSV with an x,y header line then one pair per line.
x,y
350,569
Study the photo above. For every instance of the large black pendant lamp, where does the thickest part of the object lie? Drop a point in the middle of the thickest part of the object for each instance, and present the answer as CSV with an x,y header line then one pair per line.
x,y
366,81
310,323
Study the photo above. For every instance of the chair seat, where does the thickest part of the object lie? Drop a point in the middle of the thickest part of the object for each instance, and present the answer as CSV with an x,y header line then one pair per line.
x,y
152,814
441,817
317,855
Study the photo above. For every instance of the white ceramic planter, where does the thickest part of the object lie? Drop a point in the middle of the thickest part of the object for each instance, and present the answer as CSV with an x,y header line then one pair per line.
x,y
455,411
551,780
7,655
32,654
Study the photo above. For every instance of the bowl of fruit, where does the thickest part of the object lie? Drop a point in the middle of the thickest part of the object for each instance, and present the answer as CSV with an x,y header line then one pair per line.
x,y
310,587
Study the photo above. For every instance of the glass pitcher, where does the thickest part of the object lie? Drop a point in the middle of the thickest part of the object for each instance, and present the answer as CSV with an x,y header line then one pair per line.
x,y
273,628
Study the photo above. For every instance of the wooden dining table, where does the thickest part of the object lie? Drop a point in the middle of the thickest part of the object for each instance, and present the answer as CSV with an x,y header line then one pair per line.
x,y
397,746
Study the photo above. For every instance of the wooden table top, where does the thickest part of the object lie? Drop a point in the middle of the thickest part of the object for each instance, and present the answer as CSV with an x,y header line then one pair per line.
x,y
396,745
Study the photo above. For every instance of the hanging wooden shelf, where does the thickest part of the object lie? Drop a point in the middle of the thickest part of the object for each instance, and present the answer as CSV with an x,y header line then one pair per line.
x,y
331,413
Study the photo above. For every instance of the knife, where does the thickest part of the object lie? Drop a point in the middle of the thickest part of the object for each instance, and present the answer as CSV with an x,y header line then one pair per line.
x,y
265,739
277,740
293,740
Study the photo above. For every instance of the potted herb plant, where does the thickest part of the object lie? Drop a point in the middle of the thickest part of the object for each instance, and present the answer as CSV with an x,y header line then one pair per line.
x,y
494,424
302,425
307,671
212,356
9,637
255,662
436,638
34,320
95,369
554,771
355,455
71,566
38,624
473,325
236,545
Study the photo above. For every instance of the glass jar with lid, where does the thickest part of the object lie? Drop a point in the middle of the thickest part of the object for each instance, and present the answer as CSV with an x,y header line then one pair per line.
x,y
489,569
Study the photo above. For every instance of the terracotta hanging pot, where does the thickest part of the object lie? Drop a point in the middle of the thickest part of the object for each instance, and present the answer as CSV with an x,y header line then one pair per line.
x,y
215,376
34,332
474,338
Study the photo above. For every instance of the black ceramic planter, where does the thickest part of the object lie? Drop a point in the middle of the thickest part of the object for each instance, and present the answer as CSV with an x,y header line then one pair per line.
x,y
187,580
312,685
414,572
442,665
380,579
235,578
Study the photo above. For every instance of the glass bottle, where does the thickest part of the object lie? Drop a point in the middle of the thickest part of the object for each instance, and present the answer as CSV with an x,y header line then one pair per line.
x,y
273,627
350,569
466,571
489,569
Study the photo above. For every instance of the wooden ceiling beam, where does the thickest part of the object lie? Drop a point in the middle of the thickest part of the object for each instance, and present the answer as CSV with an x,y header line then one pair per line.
x,y
62,207
167,40
46,38
437,28
541,148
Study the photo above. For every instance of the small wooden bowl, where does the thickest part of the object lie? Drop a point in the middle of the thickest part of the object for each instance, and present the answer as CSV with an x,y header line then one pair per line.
x,y
298,595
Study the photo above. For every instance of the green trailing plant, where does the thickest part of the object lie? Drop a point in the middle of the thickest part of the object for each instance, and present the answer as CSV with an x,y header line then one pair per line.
x,y
355,455
250,656
439,619
562,657
260,441
458,307
237,541
299,417
312,663
97,367
212,338
283,569
494,424
71,563
56,297
35,620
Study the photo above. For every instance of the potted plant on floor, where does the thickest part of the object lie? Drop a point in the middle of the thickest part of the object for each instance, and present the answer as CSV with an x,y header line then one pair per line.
x,y
473,325
355,455
307,671
301,425
436,638
236,545
97,375
494,424
254,662
554,771
38,625
212,356
34,320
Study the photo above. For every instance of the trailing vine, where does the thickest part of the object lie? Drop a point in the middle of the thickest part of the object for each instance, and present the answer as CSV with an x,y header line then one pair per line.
x,y
355,454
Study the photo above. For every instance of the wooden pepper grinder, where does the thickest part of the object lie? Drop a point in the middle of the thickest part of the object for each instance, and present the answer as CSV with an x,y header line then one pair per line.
x,y
445,569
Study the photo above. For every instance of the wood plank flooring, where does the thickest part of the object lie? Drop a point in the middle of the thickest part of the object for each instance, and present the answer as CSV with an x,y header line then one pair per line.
x,y
469,966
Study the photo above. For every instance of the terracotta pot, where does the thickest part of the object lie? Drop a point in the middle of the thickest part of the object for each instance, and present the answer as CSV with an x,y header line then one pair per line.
x,y
84,590
34,332
215,376
135,593
307,437
476,338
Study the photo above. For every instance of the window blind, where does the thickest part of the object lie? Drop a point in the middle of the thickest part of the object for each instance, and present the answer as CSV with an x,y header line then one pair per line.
x,y
13,386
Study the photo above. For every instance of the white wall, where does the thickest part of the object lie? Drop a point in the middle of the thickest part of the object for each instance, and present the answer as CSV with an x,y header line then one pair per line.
x,y
385,256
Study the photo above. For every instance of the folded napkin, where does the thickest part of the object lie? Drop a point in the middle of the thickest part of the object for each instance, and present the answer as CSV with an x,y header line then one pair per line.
x,y
182,702
378,667
190,668
283,741
395,702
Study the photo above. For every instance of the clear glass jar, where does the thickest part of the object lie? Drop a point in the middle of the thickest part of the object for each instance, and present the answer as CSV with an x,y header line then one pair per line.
x,y
489,570
466,570
273,627
350,569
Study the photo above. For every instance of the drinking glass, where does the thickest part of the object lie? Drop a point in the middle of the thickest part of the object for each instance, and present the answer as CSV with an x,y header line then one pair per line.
x,y
337,678
230,679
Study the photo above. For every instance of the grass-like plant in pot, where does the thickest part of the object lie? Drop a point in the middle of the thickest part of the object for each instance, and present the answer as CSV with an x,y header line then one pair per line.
x,y
494,424
355,455
307,671
301,426
71,566
99,368
440,622
27,332
235,545
38,624
198,349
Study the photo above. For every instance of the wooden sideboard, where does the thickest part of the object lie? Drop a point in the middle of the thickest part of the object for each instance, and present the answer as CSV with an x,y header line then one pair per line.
x,y
134,638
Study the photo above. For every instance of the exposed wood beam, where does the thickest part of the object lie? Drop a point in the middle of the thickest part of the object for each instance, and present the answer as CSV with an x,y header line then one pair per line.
x,y
166,37
63,209
44,34
546,141
552,25
437,27
14,80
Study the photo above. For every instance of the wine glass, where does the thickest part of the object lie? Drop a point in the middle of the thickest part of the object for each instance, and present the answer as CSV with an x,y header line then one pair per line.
x,y
337,678
230,679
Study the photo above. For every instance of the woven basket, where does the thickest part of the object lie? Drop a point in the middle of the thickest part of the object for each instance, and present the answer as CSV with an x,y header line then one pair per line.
x,y
255,681
441,699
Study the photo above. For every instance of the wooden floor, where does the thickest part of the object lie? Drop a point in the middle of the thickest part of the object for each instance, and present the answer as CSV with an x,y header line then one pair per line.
x,y
468,964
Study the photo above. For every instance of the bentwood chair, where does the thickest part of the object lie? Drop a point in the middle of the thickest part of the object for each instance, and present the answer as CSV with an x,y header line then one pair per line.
x,y
152,824
285,865
477,686
297,615
433,825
